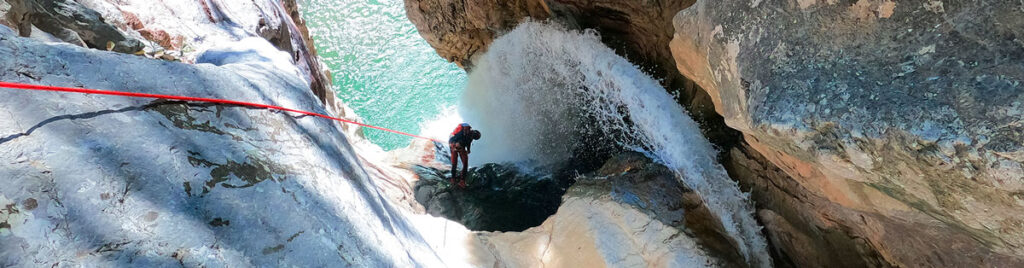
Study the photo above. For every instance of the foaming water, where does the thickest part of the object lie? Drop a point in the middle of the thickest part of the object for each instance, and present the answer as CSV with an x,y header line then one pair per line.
x,y
441,125
541,91
381,66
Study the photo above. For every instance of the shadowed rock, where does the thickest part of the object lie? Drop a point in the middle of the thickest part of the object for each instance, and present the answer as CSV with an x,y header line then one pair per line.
x,y
496,198
71,22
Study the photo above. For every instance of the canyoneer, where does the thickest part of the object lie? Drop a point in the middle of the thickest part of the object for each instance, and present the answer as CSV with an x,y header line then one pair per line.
x,y
460,142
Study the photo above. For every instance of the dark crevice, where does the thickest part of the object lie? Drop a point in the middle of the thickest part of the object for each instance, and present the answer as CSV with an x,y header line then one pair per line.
x,y
152,105
86,115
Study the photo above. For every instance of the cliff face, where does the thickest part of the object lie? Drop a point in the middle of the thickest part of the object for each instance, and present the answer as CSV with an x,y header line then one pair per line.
x,y
458,30
874,133
629,213
640,30
902,118
111,181
170,30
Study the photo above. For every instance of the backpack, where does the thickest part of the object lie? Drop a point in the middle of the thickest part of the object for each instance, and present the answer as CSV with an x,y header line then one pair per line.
x,y
461,135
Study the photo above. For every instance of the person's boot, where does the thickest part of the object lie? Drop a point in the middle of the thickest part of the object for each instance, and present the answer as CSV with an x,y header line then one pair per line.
x,y
465,177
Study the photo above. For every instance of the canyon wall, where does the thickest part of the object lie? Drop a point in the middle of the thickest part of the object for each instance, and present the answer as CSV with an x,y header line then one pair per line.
x,y
460,30
871,132
113,181
904,116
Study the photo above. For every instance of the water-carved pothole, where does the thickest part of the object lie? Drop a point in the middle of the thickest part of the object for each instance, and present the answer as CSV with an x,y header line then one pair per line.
x,y
504,198
496,197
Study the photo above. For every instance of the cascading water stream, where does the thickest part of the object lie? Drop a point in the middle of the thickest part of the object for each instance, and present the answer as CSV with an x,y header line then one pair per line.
x,y
541,92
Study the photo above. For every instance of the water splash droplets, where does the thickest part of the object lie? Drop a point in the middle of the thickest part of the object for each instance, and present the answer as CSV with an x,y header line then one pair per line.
x,y
542,92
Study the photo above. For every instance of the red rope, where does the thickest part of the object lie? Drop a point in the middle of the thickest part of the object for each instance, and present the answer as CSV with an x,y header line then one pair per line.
x,y
193,99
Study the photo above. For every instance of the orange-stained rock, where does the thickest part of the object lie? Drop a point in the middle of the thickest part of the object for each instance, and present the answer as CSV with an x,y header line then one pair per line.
x,y
132,20
638,30
162,38
459,29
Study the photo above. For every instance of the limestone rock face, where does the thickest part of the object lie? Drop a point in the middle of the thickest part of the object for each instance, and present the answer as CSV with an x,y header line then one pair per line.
x,y
111,181
284,27
898,121
71,22
631,213
458,29
639,30
306,57
173,30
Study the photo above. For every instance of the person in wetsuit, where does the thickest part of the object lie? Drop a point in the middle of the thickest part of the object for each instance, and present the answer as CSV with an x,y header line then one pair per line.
x,y
460,142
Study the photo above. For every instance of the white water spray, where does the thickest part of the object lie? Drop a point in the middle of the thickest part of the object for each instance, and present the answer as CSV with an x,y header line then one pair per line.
x,y
441,125
540,88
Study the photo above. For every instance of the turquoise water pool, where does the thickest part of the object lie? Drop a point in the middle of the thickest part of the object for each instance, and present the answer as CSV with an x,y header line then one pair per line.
x,y
382,68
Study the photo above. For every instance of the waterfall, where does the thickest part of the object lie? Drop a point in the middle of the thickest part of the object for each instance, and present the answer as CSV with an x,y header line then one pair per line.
x,y
540,92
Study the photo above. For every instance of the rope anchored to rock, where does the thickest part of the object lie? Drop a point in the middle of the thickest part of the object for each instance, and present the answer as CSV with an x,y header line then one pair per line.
x,y
196,99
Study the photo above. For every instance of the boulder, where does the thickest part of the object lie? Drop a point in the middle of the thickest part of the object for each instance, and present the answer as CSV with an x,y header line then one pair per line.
x,y
72,23
898,122
15,17
162,38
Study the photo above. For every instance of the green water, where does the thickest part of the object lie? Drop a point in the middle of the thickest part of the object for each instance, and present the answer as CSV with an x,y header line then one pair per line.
x,y
382,68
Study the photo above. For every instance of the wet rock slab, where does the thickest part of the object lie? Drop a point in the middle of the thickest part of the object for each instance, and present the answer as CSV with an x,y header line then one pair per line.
x,y
496,197
631,212
108,181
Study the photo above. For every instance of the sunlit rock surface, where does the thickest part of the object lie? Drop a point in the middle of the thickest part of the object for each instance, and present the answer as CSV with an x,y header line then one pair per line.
x,y
105,181
170,30
899,121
